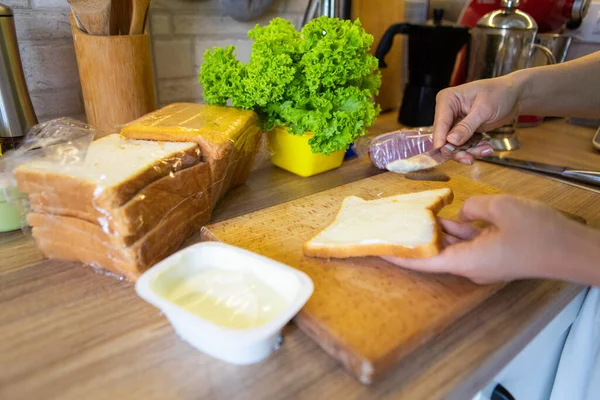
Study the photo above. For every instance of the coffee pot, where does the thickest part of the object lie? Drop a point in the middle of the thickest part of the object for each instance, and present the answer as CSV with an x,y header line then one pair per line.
x,y
503,42
432,51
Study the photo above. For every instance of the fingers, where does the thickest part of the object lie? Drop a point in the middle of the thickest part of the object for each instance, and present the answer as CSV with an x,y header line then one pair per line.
x,y
459,230
432,264
448,240
464,157
494,209
445,113
481,150
457,259
463,130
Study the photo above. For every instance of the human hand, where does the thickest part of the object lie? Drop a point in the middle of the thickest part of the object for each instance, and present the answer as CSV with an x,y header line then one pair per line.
x,y
475,106
523,239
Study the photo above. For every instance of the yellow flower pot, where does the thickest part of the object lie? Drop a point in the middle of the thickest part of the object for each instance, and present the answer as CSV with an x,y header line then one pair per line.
x,y
293,153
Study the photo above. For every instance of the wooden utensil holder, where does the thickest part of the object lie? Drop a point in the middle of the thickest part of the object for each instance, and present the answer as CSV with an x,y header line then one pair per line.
x,y
117,78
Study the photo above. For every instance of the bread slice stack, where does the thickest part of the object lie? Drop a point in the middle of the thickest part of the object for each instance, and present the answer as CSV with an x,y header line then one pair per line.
x,y
402,226
122,208
134,198
228,137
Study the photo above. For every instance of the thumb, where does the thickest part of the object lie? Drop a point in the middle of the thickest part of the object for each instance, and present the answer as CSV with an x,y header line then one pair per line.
x,y
464,129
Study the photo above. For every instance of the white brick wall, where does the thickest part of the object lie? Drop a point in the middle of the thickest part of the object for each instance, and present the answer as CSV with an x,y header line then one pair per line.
x,y
48,57
181,31
174,23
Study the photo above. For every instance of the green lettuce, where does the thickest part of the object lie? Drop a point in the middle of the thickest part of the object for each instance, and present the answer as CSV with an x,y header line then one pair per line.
x,y
320,80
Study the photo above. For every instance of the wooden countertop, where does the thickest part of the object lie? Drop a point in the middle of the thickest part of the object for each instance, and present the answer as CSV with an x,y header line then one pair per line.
x,y
67,332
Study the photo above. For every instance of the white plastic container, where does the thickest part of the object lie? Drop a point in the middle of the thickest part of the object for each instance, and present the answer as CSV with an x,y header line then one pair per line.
x,y
236,346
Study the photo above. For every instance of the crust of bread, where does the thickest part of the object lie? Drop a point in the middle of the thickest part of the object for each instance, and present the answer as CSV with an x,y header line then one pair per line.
x,y
430,249
140,214
77,240
74,191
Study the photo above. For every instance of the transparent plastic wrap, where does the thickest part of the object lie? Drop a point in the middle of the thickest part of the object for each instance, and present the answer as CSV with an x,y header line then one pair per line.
x,y
122,204
229,138
62,141
397,145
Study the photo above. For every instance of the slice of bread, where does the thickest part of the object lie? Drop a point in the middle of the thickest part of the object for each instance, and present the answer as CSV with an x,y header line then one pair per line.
x,y
113,171
402,226
73,239
140,214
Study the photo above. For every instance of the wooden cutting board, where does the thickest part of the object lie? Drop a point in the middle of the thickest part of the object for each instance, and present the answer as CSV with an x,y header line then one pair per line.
x,y
365,312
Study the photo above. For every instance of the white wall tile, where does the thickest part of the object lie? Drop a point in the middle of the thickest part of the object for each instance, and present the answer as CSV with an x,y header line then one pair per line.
x,y
214,24
176,90
187,5
173,58
160,23
16,3
243,47
49,105
61,4
49,65
42,24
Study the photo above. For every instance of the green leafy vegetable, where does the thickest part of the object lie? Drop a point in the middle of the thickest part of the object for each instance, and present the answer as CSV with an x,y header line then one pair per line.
x,y
320,80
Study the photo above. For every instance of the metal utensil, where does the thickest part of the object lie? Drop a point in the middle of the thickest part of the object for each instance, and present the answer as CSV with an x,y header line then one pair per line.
x,y
330,8
16,110
432,158
589,177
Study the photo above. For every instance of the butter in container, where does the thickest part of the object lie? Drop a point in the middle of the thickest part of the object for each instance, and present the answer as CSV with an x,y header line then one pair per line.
x,y
229,303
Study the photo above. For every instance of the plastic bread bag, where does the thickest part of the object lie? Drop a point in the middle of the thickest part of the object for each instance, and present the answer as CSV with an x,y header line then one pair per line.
x,y
392,146
63,141
78,209
229,138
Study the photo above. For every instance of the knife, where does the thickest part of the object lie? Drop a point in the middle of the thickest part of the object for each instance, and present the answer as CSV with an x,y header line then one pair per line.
x,y
580,175
432,158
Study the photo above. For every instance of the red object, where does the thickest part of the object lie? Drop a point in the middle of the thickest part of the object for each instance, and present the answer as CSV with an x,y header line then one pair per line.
x,y
529,120
550,15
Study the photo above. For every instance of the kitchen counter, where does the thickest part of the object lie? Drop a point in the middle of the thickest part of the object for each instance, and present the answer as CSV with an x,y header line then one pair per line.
x,y
68,332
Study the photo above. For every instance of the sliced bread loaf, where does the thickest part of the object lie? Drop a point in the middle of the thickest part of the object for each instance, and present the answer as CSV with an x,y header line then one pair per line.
x,y
113,171
140,214
402,226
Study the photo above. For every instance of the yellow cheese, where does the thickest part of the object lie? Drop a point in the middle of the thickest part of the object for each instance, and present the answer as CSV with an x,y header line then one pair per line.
x,y
216,129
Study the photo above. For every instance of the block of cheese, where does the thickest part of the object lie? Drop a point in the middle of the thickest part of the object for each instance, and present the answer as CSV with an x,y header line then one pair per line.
x,y
136,217
401,226
228,138
74,239
113,171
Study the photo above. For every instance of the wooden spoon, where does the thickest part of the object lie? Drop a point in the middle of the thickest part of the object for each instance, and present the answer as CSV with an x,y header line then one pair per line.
x,y
93,14
122,10
138,17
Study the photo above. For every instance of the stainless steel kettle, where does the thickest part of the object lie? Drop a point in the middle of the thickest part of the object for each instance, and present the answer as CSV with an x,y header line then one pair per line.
x,y
16,110
503,42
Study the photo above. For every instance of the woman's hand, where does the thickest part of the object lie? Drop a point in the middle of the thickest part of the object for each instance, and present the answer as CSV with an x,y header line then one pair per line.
x,y
524,239
476,106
